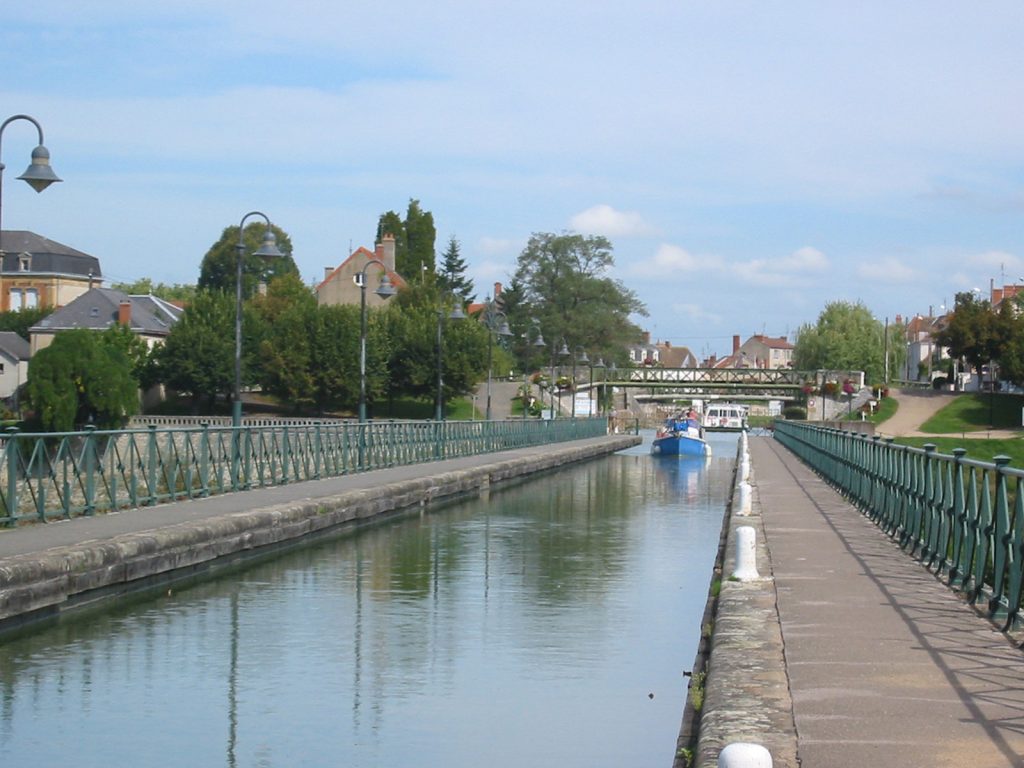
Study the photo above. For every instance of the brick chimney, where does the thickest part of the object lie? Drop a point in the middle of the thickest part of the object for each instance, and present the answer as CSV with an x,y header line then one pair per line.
x,y
646,337
124,313
327,272
497,290
385,251
735,344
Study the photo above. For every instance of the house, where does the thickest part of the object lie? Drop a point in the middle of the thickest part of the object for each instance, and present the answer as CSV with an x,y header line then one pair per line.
x,y
339,285
14,354
661,353
761,351
924,355
38,272
149,317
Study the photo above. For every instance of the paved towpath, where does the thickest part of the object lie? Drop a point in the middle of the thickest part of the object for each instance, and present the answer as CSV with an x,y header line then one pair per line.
x,y
917,406
886,666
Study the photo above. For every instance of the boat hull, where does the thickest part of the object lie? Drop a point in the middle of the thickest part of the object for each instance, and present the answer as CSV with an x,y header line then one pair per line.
x,y
679,445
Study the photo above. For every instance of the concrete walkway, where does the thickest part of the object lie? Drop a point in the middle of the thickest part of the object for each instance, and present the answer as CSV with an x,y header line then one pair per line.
x,y
886,666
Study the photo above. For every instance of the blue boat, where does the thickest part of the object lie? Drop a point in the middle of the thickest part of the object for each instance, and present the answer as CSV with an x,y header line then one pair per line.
x,y
680,436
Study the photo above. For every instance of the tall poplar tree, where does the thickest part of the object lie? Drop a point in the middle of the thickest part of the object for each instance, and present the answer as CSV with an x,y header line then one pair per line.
x,y
414,240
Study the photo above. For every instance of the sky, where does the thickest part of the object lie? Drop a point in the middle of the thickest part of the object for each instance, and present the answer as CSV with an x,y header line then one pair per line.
x,y
750,162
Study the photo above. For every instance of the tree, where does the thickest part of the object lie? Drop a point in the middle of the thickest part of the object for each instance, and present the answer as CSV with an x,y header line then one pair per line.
x,y
286,319
452,277
414,240
198,356
971,333
218,270
145,286
82,377
566,288
413,319
20,320
848,338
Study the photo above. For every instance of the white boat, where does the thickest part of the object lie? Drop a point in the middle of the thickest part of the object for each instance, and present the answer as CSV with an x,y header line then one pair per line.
x,y
725,417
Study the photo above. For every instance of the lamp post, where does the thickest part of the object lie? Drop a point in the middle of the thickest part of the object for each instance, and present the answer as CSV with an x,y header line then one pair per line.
x,y
539,343
39,175
582,359
593,390
455,314
269,249
562,352
492,316
385,290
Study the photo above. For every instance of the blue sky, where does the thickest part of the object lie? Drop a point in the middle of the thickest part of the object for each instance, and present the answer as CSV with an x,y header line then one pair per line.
x,y
749,161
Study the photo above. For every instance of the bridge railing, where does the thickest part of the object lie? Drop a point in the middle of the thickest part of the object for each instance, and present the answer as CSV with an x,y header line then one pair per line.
x,y
63,475
963,518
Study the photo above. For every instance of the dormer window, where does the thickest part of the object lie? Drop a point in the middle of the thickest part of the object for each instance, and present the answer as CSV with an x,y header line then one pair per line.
x,y
24,263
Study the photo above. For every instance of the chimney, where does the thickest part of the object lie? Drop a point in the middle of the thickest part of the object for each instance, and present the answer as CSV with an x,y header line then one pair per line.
x,y
647,337
124,313
327,272
497,290
386,251
735,344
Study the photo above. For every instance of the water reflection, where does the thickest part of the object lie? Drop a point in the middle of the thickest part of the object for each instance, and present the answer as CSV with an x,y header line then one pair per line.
x,y
524,629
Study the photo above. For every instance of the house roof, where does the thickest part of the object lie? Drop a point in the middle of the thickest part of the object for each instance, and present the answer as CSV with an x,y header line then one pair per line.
x,y
778,342
48,256
15,347
363,254
97,309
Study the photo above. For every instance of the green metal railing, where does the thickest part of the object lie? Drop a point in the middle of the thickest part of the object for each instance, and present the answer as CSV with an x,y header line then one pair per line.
x,y
964,519
63,475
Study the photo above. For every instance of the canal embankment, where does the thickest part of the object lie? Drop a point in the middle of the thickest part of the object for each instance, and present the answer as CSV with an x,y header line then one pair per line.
x,y
843,650
49,569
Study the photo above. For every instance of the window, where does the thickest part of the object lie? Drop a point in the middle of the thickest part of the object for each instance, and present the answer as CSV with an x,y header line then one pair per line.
x,y
31,298
24,263
15,299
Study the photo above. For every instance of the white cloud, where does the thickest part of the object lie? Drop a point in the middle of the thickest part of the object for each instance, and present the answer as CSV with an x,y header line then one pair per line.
x,y
997,260
604,220
696,312
796,267
891,270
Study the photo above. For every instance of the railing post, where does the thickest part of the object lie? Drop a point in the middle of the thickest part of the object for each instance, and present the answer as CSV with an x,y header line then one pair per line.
x,y
152,480
13,449
89,462
204,458
1000,537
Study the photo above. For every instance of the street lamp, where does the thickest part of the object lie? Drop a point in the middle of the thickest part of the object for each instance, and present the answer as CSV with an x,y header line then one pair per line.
x,y
39,175
582,359
496,322
593,391
385,290
455,314
539,343
269,249
562,352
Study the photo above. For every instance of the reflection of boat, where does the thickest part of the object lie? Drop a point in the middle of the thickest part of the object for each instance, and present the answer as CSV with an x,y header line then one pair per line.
x,y
680,436
725,417
684,476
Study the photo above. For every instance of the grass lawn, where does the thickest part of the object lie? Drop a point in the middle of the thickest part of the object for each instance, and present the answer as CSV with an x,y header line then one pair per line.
x,y
978,448
976,412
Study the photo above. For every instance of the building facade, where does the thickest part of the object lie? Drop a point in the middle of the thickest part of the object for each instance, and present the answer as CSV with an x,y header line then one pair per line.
x,y
38,272
340,284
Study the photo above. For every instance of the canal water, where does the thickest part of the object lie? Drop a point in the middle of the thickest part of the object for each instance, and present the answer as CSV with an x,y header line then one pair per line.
x,y
546,625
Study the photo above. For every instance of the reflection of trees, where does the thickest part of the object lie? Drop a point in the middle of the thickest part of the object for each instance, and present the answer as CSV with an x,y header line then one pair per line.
x,y
384,613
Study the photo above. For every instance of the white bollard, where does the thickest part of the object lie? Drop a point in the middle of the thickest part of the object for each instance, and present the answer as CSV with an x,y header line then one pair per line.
x,y
741,754
746,554
745,467
746,505
744,446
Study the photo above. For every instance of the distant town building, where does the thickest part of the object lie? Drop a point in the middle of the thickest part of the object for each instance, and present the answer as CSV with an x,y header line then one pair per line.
x,y
758,351
149,317
925,357
339,284
14,354
38,272
660,353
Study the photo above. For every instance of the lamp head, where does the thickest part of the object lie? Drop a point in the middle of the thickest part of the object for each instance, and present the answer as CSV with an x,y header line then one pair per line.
x,y
269,248
385,290
583,357
39,175
564,351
